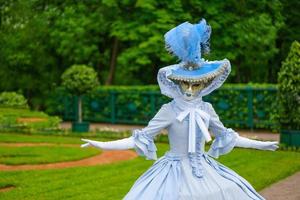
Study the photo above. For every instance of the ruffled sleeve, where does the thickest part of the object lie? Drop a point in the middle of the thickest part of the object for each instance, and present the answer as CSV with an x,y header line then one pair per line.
x,y
144,138
144,145
223,143
225,138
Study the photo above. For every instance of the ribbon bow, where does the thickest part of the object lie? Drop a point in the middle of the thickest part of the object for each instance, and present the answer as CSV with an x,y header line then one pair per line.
x,y
202,119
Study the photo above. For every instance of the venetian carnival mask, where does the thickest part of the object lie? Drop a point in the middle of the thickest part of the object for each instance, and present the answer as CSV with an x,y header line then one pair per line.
x,y
190,90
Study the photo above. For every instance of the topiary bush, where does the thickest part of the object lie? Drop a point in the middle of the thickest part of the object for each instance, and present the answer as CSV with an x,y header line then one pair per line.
x,y
79,80
289,90
13,99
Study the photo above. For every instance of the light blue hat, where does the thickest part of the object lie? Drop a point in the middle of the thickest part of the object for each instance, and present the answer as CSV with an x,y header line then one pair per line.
x,y
187,41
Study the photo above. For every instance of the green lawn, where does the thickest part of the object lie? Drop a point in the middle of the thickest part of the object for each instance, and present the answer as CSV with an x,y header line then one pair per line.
x,y
13,138
111,182
64,138
42,154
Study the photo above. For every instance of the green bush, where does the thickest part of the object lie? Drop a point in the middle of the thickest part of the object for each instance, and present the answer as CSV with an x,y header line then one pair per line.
x,y
79,80
12,99
289,90
138,104
25,120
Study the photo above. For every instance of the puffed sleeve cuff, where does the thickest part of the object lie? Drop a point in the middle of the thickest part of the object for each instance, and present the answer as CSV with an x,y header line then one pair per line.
x,y
223,143
144,145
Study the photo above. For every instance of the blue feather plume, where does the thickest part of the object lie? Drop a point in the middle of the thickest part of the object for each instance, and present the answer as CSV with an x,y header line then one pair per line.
x,y
186,41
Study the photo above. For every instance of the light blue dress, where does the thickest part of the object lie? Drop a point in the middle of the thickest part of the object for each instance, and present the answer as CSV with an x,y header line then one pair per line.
x,y
180,174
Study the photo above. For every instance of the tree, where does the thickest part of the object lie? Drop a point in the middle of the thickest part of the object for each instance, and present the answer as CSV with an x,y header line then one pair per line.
x,y
289,89
79,80
244,32
27,64
288,33
124,40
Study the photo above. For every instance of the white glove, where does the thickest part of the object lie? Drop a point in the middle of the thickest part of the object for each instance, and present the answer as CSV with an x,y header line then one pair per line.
x,y
122,144
248,143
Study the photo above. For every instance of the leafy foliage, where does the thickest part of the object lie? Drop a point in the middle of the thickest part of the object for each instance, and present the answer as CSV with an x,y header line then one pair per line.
x,y
79,79
27,64
290,31
40,39
12,99
289,90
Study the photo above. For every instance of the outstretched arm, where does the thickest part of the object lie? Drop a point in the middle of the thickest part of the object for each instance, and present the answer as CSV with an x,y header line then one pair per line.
x,y
141,140
255,144
227,139
123,144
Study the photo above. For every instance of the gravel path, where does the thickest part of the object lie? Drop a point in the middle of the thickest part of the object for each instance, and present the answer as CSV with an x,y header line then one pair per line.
x,y
7,188
105,157
286,189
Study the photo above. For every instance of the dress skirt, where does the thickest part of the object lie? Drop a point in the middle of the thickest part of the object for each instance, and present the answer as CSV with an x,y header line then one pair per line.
x,y
172,177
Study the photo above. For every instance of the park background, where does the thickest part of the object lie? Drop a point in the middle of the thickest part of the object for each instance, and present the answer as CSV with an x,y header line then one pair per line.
x,y
115,49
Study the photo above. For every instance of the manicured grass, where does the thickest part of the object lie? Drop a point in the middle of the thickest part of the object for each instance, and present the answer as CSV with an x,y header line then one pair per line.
x,y
262,168
57,139
13,138
112,182
43,154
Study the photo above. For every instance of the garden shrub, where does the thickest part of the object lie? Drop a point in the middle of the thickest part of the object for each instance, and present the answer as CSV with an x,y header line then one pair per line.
x,y
79,80
24,120
289,90
12,99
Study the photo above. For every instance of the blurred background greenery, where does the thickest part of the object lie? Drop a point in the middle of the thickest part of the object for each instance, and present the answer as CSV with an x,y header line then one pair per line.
x,y
123,40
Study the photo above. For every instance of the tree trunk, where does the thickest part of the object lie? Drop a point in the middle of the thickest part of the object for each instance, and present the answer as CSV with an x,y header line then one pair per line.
x,y
79,109
112,67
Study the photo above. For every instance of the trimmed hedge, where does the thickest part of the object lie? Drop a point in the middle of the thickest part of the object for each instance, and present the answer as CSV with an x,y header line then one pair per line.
x,y
25,120
239,105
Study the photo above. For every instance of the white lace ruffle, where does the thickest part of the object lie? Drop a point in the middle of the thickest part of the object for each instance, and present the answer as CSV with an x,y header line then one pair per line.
x,y
144,145
223,143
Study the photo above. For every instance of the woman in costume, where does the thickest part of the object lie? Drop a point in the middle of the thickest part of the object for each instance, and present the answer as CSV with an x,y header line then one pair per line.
x,y
186,171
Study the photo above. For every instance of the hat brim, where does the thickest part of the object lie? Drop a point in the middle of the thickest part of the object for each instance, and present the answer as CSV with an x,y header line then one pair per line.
x,y
214,69
207,72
